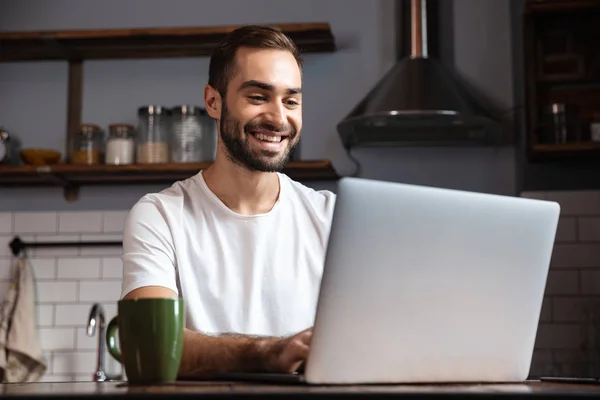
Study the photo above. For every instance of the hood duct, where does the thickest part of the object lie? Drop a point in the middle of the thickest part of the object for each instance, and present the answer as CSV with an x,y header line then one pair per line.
x,y
419,102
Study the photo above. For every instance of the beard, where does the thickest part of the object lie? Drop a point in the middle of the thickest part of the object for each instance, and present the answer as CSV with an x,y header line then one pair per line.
x,y
240,150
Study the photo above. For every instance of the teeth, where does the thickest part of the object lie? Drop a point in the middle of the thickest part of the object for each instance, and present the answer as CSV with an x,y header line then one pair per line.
x,y
267,138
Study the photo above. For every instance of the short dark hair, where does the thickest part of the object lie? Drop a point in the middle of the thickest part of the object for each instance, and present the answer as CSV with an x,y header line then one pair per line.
x,y
222,61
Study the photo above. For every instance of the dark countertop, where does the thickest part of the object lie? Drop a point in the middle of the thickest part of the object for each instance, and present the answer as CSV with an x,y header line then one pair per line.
x,y
206,389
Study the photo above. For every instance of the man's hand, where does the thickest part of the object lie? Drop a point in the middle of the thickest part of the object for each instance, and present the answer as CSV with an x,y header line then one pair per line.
x,y
204,355
287,354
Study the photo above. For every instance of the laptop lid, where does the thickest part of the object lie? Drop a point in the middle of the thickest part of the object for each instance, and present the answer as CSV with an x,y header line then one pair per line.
x,y
426,284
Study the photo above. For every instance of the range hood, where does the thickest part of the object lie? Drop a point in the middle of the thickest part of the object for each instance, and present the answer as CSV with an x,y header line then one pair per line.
x,y
419,102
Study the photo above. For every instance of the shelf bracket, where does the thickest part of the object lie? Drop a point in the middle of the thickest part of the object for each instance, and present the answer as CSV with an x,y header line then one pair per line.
x,y
71,192
74,102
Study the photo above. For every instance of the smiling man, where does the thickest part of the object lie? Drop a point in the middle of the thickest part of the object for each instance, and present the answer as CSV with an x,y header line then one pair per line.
x,y
241,242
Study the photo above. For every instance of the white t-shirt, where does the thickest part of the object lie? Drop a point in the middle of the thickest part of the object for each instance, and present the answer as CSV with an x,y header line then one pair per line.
x,y
257,274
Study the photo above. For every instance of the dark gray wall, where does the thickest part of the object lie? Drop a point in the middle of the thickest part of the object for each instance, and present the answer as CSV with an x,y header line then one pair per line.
x,y
33,95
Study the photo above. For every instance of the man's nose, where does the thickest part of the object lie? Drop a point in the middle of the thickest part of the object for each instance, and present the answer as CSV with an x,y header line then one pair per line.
x,y
277,115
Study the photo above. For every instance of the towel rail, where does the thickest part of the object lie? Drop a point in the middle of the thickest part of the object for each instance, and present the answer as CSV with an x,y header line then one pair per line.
x,y
17,245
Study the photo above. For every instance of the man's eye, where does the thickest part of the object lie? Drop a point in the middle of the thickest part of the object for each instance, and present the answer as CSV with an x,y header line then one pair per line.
x,y
292,103
257,98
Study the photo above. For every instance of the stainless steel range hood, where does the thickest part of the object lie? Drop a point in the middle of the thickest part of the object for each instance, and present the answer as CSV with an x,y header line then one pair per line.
x,y
419,102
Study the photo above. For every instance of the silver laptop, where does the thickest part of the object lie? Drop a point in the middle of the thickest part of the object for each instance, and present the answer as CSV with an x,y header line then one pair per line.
x,y
426,285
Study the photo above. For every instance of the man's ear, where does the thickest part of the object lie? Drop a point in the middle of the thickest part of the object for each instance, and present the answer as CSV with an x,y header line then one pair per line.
x,y
212,102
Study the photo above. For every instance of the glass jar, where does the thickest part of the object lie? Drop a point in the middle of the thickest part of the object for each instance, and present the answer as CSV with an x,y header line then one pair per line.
x,y
120,145
595,126
87,145
153,135
209,140
188,133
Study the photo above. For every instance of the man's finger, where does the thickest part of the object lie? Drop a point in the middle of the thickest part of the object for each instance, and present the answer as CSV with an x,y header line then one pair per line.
x,y
296,354
305,337
296,350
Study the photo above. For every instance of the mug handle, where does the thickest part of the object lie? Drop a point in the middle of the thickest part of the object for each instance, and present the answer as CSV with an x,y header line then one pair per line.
x,y
111,339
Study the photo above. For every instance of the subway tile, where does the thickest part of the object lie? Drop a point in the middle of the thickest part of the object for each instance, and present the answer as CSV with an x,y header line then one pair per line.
x,y
57,338
576,255
85,342
74,362
558,336
541,363
110,309
562,282
113,366
589,229
57,378
78,268
112,268
56,251
35,222
6,222
78,314
4,249
99,291
102,250
574,309
80,221
43,268
4,285
57,292
83,377
6,268
570,362
580,202
590,282
546,313
72,314
566,230
114,221
45,315
47,357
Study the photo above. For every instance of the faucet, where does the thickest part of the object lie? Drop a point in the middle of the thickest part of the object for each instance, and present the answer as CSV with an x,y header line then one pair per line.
x,y
97,320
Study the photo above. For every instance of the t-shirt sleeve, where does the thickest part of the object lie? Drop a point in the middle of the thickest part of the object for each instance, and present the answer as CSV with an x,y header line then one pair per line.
x,y
148,249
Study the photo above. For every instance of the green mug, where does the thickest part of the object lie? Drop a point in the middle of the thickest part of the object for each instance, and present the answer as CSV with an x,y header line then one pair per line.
x,y
150,338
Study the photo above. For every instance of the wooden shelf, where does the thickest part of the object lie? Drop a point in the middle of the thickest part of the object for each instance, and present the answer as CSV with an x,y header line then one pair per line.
x,y
76,46
143,43
72,177
84,175
567,147
565,151
542,6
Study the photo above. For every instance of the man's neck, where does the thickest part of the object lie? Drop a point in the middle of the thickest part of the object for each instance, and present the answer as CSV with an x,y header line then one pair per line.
x,y
244,192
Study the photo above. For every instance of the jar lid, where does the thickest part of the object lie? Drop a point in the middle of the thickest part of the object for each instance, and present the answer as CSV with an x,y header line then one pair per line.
x,y
121,130
89,127
89,131
186,109
120,127
153,110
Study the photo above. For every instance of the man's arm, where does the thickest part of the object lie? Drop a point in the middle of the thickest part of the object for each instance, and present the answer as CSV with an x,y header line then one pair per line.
x,y
149,270
204,355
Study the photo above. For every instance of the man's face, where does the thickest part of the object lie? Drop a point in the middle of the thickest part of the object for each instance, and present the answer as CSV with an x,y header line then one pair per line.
x,y
261,116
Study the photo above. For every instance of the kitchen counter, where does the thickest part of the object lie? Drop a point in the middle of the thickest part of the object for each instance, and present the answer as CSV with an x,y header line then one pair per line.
x,y
205,390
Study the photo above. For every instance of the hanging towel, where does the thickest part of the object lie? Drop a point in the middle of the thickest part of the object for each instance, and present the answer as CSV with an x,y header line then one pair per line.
x,y
21,358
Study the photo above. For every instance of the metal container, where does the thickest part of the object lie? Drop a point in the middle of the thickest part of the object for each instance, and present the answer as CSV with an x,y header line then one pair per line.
x,y
559,123
193,136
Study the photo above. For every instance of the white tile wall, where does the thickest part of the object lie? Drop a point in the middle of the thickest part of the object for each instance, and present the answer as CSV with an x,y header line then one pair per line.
x,y
566,342
69,281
